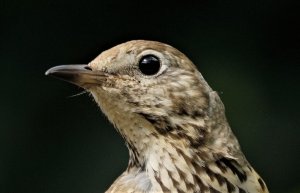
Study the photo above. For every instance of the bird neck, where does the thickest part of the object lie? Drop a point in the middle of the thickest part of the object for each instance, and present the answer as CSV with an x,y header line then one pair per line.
x,y
174,142
163,159
170,164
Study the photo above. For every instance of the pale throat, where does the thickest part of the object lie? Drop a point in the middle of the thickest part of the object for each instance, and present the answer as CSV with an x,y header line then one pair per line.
x,y
143,140
136,131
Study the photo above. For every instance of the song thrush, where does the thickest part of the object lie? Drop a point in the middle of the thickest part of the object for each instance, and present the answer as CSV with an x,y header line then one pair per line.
x,y
173,123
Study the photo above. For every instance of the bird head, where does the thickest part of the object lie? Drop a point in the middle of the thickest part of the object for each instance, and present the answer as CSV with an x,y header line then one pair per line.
x,y
154,95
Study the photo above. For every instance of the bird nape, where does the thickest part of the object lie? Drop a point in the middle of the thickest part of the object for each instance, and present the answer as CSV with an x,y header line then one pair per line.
x,y
173,123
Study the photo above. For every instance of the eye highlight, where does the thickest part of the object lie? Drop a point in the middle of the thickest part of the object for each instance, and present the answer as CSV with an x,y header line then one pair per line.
x,y
149,65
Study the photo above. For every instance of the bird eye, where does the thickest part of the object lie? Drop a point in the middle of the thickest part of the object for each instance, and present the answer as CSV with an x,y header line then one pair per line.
x,y
149,65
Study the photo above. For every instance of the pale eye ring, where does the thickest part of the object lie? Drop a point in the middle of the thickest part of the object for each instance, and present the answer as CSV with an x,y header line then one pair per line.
x,y
149,65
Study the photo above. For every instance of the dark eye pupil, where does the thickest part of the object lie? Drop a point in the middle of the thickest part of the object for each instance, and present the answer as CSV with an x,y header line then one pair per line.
x,y
149,65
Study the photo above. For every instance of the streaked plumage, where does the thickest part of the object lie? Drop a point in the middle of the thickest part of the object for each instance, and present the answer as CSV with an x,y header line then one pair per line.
x,y
173,123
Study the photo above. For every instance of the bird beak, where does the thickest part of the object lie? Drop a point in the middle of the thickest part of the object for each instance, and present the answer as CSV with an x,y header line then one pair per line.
x,y
80,75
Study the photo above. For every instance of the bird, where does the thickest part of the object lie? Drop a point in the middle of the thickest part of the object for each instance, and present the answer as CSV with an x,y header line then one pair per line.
x,y
171,120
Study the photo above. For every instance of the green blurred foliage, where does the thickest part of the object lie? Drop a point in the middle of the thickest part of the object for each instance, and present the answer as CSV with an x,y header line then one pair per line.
x,y
248,51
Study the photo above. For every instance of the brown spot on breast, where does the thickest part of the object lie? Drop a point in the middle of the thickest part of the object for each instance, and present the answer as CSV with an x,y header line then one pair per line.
x,y
133,161
163,187
199,169
203,187
241,190
262,184
182,175
235,168
185,157
250,168
221,166
221,180
212,190
230,186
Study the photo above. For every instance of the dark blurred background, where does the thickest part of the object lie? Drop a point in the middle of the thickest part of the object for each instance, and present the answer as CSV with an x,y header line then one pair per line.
x,y
53,143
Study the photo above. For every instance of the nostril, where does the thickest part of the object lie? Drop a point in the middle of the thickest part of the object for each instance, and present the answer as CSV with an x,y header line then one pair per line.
x,y
88,68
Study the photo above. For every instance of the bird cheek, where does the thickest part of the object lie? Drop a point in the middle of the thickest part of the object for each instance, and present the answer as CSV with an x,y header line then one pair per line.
x,y
111,91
